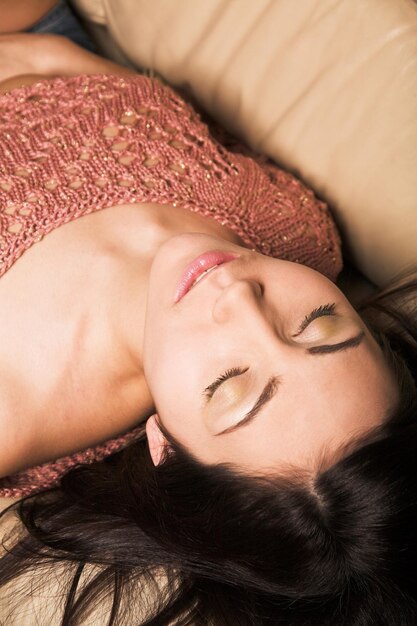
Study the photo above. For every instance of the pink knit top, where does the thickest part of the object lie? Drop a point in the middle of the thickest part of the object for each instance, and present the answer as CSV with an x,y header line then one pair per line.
x,y
73,146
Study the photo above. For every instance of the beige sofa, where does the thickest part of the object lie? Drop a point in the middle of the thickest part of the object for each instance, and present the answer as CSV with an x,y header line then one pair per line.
x,y
327,88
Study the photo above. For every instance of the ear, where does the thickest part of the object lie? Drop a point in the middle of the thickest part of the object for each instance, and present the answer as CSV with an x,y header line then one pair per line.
x,y
156,440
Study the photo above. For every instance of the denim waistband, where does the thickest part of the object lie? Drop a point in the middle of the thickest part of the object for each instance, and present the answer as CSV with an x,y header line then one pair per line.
x,y
61,20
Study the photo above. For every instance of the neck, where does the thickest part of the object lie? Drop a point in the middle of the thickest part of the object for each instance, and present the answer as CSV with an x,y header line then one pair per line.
x,y
132,235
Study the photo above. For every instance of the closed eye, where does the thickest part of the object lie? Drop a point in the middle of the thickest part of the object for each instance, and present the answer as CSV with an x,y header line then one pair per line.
x,y
321,311
324,309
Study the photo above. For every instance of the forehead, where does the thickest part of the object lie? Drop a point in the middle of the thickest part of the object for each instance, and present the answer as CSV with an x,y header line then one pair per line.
x,y
350,394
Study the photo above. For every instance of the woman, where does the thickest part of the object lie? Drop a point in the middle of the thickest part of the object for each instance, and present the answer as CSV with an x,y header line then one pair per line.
x,y
257,492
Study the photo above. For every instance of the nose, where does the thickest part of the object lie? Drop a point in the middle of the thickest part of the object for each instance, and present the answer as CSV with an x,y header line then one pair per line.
x,y
236,299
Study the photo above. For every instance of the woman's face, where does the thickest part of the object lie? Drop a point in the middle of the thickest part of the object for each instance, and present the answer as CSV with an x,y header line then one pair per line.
x,y
263,363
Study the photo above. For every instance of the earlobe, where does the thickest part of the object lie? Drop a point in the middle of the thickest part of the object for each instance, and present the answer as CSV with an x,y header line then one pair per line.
x,y
156,440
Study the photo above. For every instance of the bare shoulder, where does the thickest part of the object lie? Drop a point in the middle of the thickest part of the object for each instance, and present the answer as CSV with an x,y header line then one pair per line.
x,y
50,55
14,57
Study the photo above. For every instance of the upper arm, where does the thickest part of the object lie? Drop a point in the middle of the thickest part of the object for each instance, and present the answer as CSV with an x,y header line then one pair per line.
x,y
19,15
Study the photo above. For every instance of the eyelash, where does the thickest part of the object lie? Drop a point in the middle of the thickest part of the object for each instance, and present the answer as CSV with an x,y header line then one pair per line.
x,y
321,311
230,373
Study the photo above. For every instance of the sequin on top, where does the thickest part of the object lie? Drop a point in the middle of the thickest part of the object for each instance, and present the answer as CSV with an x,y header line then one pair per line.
x,y
72,146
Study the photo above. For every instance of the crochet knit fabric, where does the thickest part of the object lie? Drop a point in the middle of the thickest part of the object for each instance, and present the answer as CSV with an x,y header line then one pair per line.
x,y
73,146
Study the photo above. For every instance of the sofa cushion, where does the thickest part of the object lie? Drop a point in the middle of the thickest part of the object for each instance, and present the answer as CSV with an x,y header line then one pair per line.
x,y
327,88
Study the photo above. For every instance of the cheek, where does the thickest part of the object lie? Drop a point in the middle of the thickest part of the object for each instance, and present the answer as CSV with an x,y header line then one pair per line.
x,y
171,370
159,342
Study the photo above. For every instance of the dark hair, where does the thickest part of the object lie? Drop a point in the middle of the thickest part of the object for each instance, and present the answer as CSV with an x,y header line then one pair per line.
x,y
186,543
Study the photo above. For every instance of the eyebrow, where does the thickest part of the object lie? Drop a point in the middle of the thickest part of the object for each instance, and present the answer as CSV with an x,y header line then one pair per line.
x,y
267,394
271,387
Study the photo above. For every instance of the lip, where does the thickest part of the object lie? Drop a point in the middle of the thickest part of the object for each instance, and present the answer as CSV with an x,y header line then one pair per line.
x,y
197,267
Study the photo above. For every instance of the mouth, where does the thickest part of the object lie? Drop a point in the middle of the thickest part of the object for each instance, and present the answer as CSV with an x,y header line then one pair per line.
x,y
199,269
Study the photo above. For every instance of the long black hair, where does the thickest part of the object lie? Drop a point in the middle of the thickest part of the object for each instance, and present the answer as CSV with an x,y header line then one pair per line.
x,y
186,543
